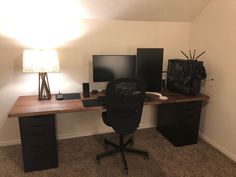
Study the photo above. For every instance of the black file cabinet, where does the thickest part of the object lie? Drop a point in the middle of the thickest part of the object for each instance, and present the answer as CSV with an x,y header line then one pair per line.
x,y
179,122
38,140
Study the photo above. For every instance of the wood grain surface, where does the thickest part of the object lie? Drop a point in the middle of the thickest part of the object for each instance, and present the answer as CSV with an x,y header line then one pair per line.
x,y
31,106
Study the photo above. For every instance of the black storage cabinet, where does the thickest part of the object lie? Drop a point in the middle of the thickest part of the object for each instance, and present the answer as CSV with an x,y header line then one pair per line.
x,y
179,122
38,140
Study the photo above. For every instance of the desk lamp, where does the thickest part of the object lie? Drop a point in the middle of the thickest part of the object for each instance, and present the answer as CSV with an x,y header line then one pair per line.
x,y
41,61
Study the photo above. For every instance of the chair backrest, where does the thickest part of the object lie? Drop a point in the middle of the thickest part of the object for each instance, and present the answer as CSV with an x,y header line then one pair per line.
x,y
124,104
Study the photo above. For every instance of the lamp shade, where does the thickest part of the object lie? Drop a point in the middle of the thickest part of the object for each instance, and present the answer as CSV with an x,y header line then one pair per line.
x,y
40,61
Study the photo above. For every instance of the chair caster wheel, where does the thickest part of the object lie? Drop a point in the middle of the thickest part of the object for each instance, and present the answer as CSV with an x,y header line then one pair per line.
x,y
125,171
146,157
131,143
105,144
97,160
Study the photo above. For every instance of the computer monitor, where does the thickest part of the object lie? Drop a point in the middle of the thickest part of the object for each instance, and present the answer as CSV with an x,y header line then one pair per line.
x,y
110,67
149,67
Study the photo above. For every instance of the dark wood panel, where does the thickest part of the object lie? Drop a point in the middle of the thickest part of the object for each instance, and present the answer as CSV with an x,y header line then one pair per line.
x,y
31,106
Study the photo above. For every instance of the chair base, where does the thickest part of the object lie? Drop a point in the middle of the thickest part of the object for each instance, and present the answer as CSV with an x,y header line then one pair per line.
x,y
122,148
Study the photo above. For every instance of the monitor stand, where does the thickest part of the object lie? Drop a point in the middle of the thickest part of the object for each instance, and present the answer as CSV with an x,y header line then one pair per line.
x,y
94,92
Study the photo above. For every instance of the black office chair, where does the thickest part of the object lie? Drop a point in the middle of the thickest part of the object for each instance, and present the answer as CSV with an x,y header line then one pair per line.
x,y
124,105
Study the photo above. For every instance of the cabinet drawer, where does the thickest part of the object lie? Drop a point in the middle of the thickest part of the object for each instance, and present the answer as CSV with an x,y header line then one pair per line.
x,y
37,120
40,163
191,106
188,120
190,134
190,113
188,129
39,128
39,151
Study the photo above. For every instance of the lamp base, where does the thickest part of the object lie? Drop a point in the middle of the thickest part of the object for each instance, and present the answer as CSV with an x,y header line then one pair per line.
x,y
44,89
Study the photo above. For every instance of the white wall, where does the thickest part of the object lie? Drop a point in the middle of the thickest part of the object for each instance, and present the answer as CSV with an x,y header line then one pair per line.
x,y
214,31
100,37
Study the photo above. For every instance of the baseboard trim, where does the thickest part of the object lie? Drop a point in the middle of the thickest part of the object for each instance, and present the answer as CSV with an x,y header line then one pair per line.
x,y
81,134
217,146
89,133
74,135
59,137
10,143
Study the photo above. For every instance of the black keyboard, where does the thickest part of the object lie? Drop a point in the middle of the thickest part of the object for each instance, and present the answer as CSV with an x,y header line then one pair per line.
x,y
100,101
71,96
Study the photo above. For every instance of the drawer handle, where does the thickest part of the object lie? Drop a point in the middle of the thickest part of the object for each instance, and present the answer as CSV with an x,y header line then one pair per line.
x,y
38,134
38,146
191,102
40,158
190,109
39,125
189,116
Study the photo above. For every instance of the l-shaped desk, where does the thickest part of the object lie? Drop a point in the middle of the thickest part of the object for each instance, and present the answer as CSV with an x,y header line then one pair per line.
x,y
178,120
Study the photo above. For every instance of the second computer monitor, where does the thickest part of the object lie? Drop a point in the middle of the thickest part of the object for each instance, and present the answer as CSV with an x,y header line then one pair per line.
x,y
110,67
149,67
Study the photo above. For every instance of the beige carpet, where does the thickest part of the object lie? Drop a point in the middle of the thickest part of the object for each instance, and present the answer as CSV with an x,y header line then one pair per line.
x,y
77,159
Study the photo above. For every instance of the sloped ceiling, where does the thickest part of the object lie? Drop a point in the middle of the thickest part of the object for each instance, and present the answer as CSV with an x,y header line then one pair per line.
x,y
144,10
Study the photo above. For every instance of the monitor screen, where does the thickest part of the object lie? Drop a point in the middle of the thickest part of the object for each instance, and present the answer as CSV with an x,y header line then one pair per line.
x,y
110,67
149,67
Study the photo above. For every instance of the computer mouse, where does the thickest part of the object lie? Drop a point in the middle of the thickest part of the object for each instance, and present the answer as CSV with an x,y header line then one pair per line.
x,y
94,92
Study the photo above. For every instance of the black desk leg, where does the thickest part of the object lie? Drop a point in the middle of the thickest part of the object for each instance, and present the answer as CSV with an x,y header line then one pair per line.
x,y
38,141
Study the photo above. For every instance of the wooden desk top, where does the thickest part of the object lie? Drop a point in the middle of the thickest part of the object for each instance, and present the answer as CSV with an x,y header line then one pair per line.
x,y
31,106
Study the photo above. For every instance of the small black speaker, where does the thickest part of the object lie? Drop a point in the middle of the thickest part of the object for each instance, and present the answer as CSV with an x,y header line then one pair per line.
x,y
85,90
